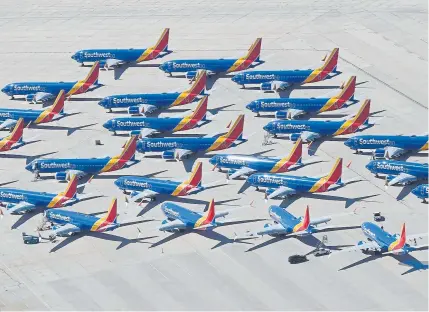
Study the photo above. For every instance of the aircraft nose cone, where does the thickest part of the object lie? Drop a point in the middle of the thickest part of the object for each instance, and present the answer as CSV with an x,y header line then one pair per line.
x,y
163,66
118,182
236,78
370,166
214,160
103,103
348,143
29,167
267,127
108,124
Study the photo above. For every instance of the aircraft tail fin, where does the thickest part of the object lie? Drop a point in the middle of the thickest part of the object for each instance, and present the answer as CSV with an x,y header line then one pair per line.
x,y
295,156
129,149
199,85
399,243
112,213
330,62
58,106
254,52
200,111
162,44
304,223
362,115
196,175
348,90
211,213
71,189
236,131
334,177
92,77
18,131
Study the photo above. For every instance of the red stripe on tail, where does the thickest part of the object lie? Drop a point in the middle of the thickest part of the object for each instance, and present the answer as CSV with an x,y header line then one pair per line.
x,y
402,239
336,172
196,175
58,105
347,92
112,212
162,43
251,56
237,129
71,187
306,220
129,149
363,114
92,76
17,132
210,213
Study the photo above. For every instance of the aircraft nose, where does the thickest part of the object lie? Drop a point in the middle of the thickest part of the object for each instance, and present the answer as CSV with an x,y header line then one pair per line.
x,y
164,66
267,127
119,182
370,166
349,143
108,124
5,89
103,103
214,160
236,78
29,167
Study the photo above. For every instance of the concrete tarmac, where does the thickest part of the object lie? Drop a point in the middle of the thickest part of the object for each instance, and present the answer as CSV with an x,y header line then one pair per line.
x,y
383,43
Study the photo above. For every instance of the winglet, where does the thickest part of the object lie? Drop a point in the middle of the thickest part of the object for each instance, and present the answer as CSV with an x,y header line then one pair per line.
x,y
236,131
196,175
71,189
112,213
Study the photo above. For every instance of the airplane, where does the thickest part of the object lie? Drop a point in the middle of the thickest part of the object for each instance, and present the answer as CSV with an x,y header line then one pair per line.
x,y
146,126
388,146
36,92
214,66
143,187
287,224
13,140
311,130
67,223
243,165
66,167
382,242
18,201
9,117
398,172
114,57
290,108
148,103
180,218
182,147
421,192
281,79
282,186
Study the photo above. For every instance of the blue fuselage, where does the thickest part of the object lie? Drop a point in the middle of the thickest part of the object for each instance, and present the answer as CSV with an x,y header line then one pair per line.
x,y
83,221
168,144
273,181
325,127
139,184
138,123
161,100
284,104
29,115
376,234
25,88
15,196
261,76
394,167
174,212
231,161
93,55
406,142
183,66
88,165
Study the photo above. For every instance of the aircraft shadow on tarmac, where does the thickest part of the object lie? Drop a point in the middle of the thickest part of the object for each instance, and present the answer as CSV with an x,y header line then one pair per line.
x,y
106,236
70,130
309,240
406,260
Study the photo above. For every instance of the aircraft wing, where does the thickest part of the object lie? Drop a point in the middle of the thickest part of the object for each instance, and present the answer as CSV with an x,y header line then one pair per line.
x,y
240,172
180,153
402,178
308,136
78,173
42,97
172,226
144,194
112,62
282,191
391,151
65,229
148,109
360,246
8,124
146,132
293,112
21,207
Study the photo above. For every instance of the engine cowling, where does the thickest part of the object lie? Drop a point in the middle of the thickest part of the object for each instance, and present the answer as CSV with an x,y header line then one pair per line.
x,y
191,74
295,136
61,176
30,97
379,153
266,86
231,172
269,191
390,177
168,155
134,110
281,115
9,205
